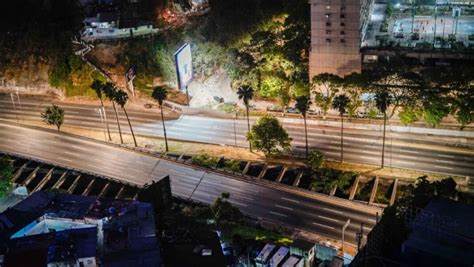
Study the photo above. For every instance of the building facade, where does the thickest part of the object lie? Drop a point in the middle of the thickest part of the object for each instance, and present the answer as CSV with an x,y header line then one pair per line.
x,y
337,28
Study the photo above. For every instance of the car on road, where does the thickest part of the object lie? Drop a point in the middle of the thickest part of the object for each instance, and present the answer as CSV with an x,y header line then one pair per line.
x,y
218,99
275,108
292,111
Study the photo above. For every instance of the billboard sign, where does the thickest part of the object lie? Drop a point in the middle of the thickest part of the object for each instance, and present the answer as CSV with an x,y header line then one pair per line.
x,y
184,65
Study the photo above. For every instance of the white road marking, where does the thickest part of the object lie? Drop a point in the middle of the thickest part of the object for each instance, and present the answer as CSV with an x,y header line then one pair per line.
x,y
333,153
409,151
49,141
372,220
64,159
336,211
79,147
237,203
446,156
244,197
289,199
108,154
405,162
367,157
283,207
445,161
323,225
71,153
144,163
443,167
407,157
327,218
279,214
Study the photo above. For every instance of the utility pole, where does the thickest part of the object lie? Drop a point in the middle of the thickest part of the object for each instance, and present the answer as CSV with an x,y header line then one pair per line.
x,y
360,236
14,108
102,122
187,95
235,130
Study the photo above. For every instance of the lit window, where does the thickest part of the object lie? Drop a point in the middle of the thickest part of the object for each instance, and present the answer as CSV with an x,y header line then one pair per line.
x,y
328,15
328,7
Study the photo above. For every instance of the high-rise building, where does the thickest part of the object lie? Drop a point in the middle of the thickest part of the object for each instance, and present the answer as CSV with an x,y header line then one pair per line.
x,y
337,28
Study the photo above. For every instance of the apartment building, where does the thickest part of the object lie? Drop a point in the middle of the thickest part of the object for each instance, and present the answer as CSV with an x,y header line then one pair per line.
x,y
337,28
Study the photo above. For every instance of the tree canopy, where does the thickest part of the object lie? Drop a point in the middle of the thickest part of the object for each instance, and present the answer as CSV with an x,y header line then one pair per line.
x,y
269,136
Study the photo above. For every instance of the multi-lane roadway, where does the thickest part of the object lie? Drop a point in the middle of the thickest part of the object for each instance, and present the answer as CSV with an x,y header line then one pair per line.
x,y
403,150
303,210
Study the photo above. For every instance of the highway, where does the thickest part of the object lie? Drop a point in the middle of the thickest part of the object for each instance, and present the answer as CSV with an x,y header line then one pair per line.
x,y
408,151
303,210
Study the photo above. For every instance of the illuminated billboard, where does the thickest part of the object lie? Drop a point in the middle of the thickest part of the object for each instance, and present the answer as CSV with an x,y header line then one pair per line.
x,y
184,65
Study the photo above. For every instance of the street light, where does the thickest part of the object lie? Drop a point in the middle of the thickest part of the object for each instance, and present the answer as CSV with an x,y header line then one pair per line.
x,y
343,233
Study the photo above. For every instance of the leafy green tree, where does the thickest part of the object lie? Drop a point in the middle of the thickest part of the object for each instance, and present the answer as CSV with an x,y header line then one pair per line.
x,y
110,90
463,107
302,104
408,114
53,115
223,210
160,94
382,102
325,87
269,136
328,178
353,85
340,103
245,94
121,98
434,112
98,88
6,176
316,160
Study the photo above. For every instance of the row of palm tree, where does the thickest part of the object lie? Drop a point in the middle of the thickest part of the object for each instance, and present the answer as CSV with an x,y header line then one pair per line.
x,y
116,96
120,97
340,103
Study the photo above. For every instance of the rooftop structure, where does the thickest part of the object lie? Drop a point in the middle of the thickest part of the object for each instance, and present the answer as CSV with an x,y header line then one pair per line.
x,y
441,235
68,229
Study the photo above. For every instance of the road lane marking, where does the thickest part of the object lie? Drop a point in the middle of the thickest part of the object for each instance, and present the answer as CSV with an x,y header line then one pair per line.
x,y
336,211
327,218
405,162
323,225
407,157
289,199
444,161
65,159
71,153
446,156
279,214
409,151
79,147
108,154
283,207
244,197
144,163
237,203
443,167
371,220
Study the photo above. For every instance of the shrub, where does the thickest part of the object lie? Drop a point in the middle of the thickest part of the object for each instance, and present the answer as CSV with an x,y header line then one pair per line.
x,y
205,161
232,165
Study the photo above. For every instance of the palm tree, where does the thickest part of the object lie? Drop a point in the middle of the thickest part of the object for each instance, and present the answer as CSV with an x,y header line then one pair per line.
x,y
109,91
98,87
245,94
302,104
340,103
121,98
383,100
160,94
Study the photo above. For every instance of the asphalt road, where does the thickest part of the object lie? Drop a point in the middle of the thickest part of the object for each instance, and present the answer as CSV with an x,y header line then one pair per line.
x,y
310,212
409,151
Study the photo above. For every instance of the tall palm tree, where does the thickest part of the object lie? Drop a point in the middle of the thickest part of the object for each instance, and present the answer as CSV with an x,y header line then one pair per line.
x,y
340,103
160,94
121,98
245,94
383,100
98,87
109,91
302,104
